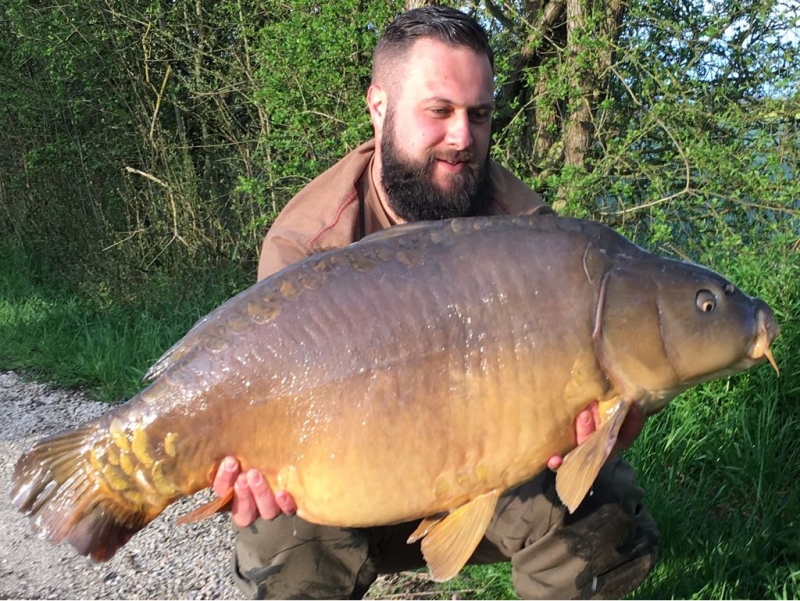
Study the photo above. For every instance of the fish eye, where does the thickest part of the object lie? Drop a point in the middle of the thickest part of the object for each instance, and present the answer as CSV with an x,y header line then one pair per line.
x,y
706,301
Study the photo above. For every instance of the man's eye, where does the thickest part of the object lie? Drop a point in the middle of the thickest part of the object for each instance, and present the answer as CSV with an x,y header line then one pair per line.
x,y
480,116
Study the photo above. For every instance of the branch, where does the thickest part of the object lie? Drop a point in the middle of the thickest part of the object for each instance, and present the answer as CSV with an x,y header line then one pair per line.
x,y
175,234
687,168
159,96
147,175
498,14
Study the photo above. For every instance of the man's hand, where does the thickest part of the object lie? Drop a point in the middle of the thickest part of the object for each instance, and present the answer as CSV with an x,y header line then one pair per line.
x,y
252,494
588,420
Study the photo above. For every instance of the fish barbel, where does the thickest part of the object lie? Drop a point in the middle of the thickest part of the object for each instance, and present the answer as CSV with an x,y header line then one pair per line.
x,y
418,373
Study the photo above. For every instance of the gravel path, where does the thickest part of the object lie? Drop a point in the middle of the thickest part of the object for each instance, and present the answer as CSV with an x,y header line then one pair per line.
x,y
164,561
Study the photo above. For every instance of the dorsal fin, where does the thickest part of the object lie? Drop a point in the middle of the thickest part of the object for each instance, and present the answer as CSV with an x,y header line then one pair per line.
x,y
400,230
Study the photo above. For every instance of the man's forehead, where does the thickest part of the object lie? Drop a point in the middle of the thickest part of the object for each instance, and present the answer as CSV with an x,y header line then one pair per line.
x,y
456,74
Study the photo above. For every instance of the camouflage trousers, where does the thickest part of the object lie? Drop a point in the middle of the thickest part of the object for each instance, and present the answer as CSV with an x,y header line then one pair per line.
x,y
603,550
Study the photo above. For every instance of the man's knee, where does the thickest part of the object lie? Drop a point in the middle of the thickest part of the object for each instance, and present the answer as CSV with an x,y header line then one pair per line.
x,y
613,542
289,558
604,549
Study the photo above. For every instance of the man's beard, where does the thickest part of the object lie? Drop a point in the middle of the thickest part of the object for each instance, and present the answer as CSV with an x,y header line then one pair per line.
x,y
412,192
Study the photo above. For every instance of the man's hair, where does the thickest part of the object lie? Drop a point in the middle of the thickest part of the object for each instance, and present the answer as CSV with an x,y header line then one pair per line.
x,y
441,23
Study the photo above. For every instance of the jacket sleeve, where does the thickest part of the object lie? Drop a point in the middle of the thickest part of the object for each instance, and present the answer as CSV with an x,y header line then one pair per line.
x,y
323,215
280,249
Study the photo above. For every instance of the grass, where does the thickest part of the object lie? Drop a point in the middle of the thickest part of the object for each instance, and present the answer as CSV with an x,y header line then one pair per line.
x,y
720,469
86,337
720,466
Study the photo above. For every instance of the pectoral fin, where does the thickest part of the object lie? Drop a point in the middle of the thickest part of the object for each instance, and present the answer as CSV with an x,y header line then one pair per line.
x,y
451,541
207,509
581,465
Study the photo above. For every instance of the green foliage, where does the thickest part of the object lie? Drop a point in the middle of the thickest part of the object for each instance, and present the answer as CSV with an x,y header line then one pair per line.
x,y
313,64
693,127
708,144
171,134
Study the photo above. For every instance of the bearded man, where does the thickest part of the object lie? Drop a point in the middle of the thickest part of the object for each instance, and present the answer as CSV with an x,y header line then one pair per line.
x,y
431,102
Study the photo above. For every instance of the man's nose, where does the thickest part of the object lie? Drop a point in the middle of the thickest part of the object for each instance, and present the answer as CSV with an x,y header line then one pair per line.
x,y
459,132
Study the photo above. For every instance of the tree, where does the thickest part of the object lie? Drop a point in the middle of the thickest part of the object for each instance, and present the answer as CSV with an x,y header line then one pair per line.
x,y
663,116
172,133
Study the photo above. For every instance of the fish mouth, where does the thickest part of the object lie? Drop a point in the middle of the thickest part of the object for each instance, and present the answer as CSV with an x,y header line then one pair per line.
x,y
767,331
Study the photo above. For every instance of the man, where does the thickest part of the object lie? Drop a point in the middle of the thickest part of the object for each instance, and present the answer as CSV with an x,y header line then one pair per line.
x,y
430,103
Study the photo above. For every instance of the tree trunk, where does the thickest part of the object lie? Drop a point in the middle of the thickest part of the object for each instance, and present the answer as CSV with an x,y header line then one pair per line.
x,y
559,75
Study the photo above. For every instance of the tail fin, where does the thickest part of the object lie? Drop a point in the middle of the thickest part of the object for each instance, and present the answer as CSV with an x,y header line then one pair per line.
x,y
58,488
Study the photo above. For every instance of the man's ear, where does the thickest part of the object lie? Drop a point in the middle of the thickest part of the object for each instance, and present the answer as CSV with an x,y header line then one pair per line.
x,y
376,103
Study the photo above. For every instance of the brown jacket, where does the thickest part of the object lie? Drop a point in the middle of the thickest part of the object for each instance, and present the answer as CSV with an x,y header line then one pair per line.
x,y
342,206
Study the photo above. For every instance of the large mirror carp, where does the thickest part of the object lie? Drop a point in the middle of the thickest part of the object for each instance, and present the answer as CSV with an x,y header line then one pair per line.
x,y
418,373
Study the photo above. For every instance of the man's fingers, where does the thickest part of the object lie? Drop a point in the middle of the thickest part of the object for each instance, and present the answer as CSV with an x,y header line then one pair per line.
x,y
555,462
286,502
243,509
586,423
588,420
226,476
252,495
263,496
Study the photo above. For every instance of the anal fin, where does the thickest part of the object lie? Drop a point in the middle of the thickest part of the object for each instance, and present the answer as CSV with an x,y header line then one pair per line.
x,y
425,527
207,509
581,465
451,541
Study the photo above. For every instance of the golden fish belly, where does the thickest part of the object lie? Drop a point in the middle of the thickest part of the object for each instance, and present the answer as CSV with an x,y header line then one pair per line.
x,y
358,455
